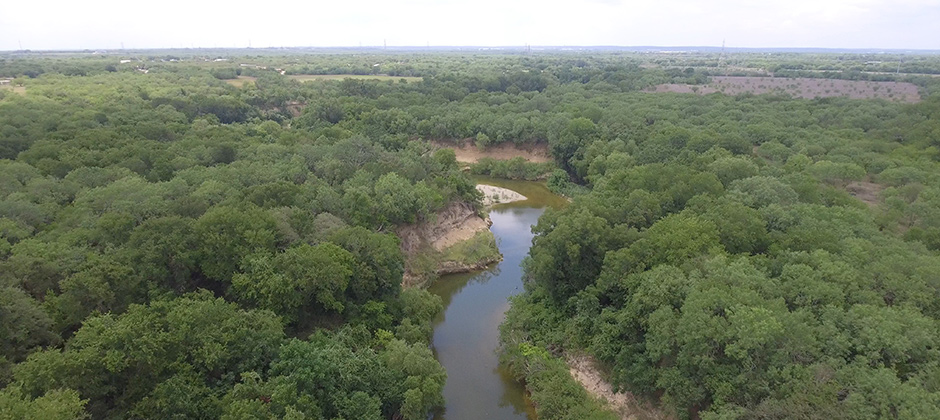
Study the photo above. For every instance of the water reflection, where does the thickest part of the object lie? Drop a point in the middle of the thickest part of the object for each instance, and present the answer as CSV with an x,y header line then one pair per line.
x,y
467,334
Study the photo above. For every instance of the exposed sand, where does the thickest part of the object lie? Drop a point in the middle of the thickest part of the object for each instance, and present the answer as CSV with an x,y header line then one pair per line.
x,y
455,223
498,195
467,152
583,370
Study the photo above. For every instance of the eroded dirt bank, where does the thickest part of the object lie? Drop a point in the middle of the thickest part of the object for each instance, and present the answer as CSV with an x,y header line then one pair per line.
x,y
424,243
455,223
467,152
584,370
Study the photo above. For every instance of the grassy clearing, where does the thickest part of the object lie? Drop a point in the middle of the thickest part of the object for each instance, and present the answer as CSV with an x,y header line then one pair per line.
x,y
15,89
321,77
241,81
469,256
479,249
800,87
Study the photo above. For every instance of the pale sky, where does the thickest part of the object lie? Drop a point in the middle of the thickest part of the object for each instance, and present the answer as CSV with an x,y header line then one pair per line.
x,y
105,24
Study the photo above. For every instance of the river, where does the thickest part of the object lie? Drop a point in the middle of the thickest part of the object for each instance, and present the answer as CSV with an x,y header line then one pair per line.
x,y
466,336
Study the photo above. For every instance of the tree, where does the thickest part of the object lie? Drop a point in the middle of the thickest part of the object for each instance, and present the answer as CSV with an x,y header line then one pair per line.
x,y
25,325
118,362
729,169
294,279
395,199
674,240
568,257
420,377
60,404
228,234
838,174
378,263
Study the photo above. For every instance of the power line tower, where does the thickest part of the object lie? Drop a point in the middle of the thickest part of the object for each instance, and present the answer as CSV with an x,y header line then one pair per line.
x,y
721,55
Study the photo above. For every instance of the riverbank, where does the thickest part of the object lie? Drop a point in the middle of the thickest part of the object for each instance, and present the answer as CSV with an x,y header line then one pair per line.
x,y
457,240
467,152
583,369
466,335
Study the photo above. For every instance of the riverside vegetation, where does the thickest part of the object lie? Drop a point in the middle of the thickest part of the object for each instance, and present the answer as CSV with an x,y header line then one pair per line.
x,y
172,245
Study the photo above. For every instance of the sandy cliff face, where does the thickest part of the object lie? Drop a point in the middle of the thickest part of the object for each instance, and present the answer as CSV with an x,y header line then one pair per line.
x,y
455,223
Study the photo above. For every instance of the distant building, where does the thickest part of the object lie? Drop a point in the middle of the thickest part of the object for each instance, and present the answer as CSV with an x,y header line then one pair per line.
x,y
5,81
126,61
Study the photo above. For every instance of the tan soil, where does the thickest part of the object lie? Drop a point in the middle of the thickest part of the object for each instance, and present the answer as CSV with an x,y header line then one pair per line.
x,y
498,195
455,223
800,87
467,152
584,370
868,192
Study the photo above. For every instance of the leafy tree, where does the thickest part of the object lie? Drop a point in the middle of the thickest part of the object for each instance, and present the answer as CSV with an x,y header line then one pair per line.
x,y
291,280
228,234
25,325
569,256
118,362
53,405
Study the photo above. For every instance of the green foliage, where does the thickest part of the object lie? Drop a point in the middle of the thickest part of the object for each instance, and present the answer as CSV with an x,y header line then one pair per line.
x,y
53,405
551,388
122,193
515,168
25,325
378,263
302,277
480,249
738,287
119,361
419,308
570,256
341,376
227,235
711,256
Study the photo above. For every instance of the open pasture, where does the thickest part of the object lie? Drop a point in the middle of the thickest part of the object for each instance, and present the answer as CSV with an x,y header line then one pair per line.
x,y
320,77
803,87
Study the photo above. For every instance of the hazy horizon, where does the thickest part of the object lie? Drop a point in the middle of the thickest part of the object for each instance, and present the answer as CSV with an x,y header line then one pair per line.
x,y
798,24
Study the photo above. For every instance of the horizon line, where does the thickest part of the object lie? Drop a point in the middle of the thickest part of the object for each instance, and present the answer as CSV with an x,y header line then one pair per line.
x,y
677,48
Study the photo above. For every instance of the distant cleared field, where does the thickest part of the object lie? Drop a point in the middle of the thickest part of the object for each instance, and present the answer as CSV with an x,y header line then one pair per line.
x,y
309,77
16,89
241,81
807,88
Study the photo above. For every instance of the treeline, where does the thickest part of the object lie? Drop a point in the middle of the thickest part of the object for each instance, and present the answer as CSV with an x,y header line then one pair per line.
x,y
176,246
719,264
167,251
515,168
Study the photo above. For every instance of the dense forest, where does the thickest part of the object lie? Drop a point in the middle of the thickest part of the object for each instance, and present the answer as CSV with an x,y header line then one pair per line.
x,y
169,251
211,237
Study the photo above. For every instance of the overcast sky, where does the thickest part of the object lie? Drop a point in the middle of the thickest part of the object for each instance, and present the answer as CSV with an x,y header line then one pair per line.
x,y
105,24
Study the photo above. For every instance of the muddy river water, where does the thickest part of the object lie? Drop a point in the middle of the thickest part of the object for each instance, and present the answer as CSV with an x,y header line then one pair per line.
x,y
467,334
